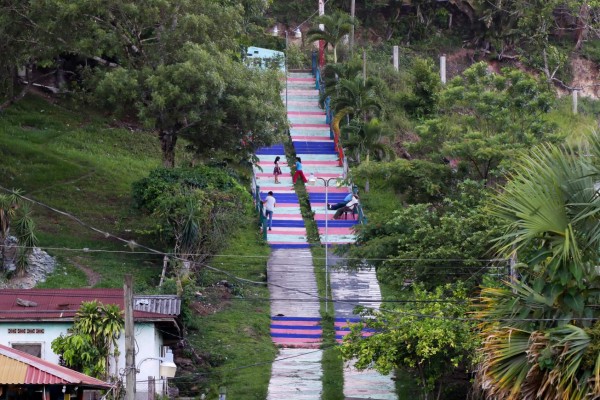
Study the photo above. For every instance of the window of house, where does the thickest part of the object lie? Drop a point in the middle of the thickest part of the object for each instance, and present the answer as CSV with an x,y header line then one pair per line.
x,y
34,349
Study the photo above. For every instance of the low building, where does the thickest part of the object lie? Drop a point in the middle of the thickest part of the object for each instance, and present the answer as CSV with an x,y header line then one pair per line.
x,y
25,377
30,319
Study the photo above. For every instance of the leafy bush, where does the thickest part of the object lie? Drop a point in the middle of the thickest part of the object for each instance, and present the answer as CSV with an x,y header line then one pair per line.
x,y
196,209
432,243
147,191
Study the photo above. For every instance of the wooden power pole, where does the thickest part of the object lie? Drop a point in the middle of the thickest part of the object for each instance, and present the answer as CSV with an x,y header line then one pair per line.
x,y
352,12
130,371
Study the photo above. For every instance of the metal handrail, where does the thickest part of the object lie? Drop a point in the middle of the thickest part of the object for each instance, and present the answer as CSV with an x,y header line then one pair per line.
x,y
258,204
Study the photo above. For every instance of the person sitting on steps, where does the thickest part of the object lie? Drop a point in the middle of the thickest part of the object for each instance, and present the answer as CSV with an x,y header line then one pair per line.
x,y
349,206
337,206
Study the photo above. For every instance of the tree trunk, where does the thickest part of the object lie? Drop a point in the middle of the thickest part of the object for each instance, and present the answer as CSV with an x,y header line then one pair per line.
x,y
582,25
16,97
167,144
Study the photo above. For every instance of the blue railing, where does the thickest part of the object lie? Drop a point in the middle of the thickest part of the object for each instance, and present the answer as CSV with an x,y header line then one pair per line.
x,y
259,207
320,85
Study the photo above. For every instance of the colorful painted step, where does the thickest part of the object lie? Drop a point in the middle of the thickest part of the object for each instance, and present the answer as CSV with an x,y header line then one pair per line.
x,y
303,332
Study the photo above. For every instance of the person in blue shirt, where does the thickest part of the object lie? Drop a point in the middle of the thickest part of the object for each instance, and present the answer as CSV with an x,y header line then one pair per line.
x,y
299,172
344,202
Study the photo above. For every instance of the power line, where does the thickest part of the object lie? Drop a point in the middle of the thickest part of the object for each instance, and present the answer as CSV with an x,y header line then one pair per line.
x,y
157,252
169,254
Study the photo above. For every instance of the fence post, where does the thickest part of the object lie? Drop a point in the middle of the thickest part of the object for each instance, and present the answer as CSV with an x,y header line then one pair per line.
x,y
443,68
396,65
575,93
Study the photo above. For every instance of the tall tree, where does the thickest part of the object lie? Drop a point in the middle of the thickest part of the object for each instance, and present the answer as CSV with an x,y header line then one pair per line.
x,y
540,331
336,26
487,117
180,70
369,140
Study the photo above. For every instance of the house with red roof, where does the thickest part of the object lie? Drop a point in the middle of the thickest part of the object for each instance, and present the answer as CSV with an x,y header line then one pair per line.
x,y
30,319
23,376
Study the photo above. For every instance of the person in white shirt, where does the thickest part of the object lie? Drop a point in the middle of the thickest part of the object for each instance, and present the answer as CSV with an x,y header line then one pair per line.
x,y
349,205
269,204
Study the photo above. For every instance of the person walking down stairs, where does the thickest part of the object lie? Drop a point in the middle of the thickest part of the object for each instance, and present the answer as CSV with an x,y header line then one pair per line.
x,y
299,172
269,203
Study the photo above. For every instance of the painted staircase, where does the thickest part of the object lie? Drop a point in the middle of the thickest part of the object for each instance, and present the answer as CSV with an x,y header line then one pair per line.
x,y
295,322
315,145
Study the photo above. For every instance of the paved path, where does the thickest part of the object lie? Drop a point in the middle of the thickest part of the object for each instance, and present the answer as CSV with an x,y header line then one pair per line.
x,y
295,318
353,288
296,375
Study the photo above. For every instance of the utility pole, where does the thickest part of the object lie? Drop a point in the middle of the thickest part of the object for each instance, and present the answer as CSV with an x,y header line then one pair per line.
x,y
364,67
321,42
130,371
352,11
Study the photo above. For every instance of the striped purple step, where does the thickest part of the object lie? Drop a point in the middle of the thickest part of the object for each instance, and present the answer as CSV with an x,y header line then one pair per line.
x,y
301,332
342,328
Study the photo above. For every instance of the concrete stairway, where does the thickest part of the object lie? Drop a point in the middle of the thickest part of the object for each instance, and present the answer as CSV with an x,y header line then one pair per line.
x,y
313,144
295,320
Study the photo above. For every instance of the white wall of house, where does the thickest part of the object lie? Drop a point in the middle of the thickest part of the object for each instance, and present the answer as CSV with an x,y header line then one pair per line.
x,y
148,340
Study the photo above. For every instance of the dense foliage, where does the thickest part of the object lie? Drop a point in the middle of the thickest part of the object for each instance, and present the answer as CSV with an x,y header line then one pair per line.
x,y
538,330
433,244
427,336
175,65
195,209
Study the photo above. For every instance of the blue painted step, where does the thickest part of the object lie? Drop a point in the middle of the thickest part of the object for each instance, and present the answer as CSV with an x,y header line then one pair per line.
x,y
314,147
276,149
290,246
331,197
282,197
287,223
338,223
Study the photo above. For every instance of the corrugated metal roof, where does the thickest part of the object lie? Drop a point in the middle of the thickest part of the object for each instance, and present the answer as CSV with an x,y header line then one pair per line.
x,y
62,304
17,367
162,304
11,371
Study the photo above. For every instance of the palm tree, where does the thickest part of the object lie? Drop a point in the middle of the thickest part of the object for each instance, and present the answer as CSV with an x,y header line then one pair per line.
x,y
336,26
15,219
357,98
368,139
540,331
333,73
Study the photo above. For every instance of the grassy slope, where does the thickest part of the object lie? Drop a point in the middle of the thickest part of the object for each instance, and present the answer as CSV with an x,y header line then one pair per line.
x,y
240,332
78,163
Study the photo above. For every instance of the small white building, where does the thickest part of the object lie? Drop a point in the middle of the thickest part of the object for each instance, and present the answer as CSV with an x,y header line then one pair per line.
x,y
265,58
30,319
